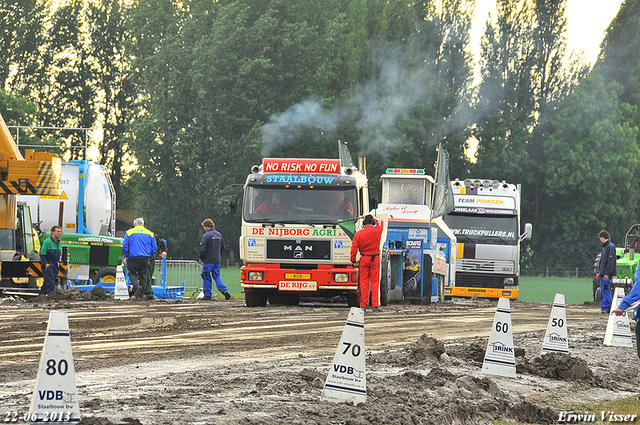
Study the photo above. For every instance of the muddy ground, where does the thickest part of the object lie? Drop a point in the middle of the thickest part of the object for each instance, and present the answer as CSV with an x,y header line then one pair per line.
x,y
219,362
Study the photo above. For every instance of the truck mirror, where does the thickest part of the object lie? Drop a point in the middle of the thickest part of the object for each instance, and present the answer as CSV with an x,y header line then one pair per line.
x,y
373,198
233,204
528,228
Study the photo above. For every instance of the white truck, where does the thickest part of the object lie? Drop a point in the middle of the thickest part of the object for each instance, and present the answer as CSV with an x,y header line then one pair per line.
x,y
416,258
291,243
486,222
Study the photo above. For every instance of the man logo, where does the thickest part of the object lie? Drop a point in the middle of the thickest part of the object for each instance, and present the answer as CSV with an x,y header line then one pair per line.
x,y
298,254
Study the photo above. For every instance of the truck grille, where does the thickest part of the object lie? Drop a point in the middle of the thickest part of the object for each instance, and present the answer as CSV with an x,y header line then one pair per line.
x,y
480,280
484,266
298,250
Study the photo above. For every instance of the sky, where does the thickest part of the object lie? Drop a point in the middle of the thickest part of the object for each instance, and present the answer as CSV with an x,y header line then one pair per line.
x,y
587,21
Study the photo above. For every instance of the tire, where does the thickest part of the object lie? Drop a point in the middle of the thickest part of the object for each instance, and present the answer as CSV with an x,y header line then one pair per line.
x,y
352,299
255,298
597,295
426,289
107,274
384,276
596,281
284,299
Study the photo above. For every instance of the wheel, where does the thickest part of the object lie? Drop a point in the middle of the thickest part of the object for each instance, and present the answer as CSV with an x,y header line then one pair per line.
x,y
426,290
597,295
385,276
255,298
107,274
284,299
352,299
596,281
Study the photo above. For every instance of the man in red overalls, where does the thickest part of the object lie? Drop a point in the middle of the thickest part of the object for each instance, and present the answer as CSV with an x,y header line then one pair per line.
x,y
367,241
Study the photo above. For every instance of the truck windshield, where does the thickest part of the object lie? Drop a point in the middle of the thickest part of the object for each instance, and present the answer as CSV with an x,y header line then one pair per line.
x,y
404,191
493,230
310,206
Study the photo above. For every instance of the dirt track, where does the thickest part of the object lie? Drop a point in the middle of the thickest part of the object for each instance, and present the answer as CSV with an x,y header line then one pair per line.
x,y
166,362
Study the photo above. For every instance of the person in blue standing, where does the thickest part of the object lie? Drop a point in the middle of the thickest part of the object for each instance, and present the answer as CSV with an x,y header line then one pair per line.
x,y
631,298
49,260
138,246
608,269
210,251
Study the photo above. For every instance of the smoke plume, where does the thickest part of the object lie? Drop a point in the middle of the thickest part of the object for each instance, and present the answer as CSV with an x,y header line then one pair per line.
x,y
377,105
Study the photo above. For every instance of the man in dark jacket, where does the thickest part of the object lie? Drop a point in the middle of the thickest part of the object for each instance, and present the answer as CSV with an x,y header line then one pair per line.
x,y
162,252
49,259
608,269
211,248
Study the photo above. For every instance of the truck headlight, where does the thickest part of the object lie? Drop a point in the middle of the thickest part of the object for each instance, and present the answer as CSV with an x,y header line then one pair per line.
x,y
447,290
253,276
341,277
508,281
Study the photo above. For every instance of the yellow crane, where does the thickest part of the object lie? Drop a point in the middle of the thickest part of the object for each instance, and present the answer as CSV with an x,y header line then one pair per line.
x,y
35,173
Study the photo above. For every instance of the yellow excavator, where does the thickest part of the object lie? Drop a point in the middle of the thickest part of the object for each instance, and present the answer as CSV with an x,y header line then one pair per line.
x,y
35,173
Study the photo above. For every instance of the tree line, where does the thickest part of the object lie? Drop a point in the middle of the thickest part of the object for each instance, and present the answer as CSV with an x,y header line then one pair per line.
x,y
189,95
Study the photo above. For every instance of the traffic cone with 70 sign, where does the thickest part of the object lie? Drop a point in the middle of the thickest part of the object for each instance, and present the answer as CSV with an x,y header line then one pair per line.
x,y
346,380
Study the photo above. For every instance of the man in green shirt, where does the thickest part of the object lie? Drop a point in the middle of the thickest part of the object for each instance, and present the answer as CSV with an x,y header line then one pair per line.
x,y
49,259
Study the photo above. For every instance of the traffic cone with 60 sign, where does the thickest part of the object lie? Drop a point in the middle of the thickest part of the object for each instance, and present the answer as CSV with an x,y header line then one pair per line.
x,y
618,333
556,340
346,380
55,398
500,359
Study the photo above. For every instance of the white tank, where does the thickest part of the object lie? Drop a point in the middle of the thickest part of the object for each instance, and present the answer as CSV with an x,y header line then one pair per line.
x,y
63,210
97,198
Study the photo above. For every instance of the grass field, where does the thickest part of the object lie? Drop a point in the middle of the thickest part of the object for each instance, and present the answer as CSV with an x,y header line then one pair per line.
x,y
543,289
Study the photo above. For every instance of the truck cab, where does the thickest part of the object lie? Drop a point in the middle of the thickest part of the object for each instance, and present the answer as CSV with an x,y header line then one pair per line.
x,y
416,259
20,244
292,242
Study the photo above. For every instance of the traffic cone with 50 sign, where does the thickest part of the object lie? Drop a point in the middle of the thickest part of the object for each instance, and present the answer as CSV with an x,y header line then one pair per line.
x,y
346,380
55,398
556,340
500,359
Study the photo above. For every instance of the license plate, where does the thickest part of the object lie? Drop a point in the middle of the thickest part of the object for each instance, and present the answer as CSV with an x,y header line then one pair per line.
x,y
295,276
297,285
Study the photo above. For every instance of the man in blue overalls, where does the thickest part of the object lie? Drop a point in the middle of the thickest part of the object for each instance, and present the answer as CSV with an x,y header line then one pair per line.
x,y
210,251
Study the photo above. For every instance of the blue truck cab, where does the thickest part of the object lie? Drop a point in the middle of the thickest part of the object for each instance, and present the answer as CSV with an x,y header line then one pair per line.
x,y
418,256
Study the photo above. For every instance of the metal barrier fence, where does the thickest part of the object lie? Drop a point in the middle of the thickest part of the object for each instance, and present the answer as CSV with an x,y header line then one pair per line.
x,y
178,271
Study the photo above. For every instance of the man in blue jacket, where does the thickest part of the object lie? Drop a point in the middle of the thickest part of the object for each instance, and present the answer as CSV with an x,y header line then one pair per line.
x,y
631,298
211,248
138,246
608,269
